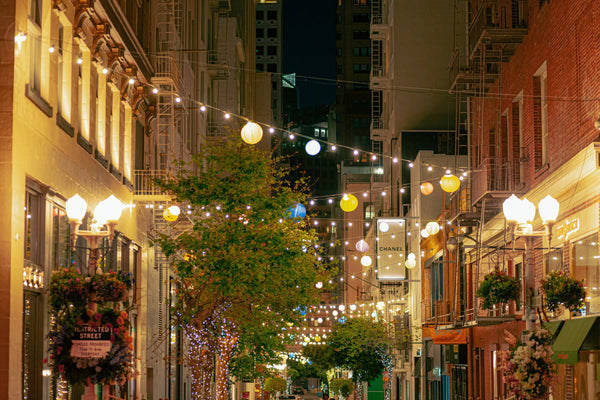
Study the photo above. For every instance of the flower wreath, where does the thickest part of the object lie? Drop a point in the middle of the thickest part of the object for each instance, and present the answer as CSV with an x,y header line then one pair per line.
x,y
87,310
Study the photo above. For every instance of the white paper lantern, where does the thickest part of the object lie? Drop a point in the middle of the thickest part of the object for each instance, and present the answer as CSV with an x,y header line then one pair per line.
x,y
366,261
313,147
362,246
432,228
384,227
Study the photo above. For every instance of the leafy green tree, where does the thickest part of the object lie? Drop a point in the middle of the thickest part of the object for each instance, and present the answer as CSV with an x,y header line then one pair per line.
x,y
342,387
245,265
359,345
275,384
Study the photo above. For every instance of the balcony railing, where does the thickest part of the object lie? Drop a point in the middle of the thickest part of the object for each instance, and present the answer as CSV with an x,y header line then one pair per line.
x,y
492,177
494,24
144,184
167,67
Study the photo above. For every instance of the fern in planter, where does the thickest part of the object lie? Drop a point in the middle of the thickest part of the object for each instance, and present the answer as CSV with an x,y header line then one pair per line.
x,y
562,289
498,288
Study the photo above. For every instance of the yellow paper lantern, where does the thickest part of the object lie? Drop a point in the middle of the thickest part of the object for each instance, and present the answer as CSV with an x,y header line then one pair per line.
x,y
349,202
317,339
426,188
168,216
252,133
432,228
410,263
449,183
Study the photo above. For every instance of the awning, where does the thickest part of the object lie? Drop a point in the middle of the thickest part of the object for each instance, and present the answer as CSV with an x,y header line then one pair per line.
x,y
446,336
553,326
570,338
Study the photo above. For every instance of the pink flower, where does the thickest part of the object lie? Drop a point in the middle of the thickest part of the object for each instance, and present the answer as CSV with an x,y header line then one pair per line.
x,y
97,316
117,331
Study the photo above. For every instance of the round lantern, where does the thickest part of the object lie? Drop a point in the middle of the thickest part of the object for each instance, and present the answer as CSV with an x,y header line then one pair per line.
x,y
426,188
317,339
432,228
252,133
349,203
312,147
410,263
297,211
424,233
366,261
319,285
168,216
449,183
362,246
411,256
384,227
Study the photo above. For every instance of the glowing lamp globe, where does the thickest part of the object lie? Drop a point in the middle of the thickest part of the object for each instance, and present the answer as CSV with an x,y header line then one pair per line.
x,y
411,256
410,263
168,216
348,203
317,339
548,208
362,246
449,183
313,147
424,233
252,133
426,188
366,261
76,208
384,227
108,210
319,285
306,339
432,228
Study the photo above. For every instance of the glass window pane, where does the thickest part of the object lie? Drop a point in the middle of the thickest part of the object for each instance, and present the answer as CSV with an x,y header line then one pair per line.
x,y
586,267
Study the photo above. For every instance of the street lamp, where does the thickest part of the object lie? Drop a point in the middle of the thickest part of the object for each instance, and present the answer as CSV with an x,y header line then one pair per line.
x,y
106,213
520,213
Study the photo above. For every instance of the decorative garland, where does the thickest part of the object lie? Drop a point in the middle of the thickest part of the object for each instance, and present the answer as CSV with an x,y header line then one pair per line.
x,y
90,341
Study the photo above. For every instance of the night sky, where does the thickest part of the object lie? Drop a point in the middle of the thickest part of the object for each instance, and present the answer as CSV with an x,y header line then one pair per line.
x,y
309,49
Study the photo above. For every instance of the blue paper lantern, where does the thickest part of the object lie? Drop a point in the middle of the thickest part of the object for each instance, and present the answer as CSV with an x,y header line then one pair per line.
x,y
297,211
342,320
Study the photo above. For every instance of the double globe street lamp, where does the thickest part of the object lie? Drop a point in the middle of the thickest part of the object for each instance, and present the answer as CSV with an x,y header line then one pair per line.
x,y
106,213
520,213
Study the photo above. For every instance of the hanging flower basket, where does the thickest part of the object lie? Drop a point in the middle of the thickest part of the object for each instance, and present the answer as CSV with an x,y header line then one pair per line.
x,y
562,289
498,288
89,341
528,367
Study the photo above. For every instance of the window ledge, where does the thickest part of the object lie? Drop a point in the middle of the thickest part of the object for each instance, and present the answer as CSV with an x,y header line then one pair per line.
x,y
115,172
64,125
38,100
83,142
101,159
541,170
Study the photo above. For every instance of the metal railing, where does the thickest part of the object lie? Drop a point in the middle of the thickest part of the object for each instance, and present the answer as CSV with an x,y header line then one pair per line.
x,y
166,66
144,182
491,15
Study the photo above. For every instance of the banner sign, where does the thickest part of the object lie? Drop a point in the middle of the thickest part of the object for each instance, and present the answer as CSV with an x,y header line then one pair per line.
x,y
91,342
391,248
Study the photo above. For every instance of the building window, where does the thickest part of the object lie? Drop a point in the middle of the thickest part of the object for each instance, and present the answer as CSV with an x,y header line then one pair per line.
x,y
272,32
360,17
586,266
540,117
260,32
517,148
339,51
272,15
271,67
361,51
60,238
272,50
361,68
260,67
360,34
260,50
553,261
361,2
437,285
35,43
260,14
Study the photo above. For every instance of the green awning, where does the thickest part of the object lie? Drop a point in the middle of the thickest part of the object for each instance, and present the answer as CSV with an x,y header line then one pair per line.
x,y
553,326
570,338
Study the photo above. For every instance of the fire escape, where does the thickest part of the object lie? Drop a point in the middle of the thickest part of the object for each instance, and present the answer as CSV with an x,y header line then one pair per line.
x,y
486,39
379,83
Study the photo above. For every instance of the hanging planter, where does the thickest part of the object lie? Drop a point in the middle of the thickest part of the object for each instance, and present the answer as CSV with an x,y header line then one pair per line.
x,y
89,341
498,288
560,289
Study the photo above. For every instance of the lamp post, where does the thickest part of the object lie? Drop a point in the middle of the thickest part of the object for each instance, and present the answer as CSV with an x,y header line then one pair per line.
x,y
106,213
520,213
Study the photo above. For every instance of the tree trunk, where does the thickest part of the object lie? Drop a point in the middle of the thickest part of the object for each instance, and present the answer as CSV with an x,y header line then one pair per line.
x,y
226,343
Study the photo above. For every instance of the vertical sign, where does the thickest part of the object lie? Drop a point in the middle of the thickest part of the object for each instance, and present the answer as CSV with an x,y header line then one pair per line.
x,y
391,248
